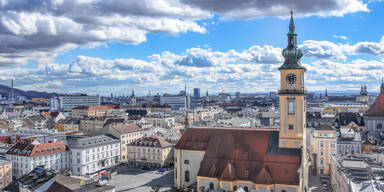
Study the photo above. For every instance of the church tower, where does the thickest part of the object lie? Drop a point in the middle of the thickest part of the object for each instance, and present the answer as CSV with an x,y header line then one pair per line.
x,y
292,94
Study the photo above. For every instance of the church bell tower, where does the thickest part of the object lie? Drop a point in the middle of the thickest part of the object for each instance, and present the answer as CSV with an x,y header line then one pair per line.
x,y
292,94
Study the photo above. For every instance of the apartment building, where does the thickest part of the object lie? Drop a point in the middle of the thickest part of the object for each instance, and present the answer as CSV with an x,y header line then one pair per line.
x,y
5,173
127,132
92,111
26,156
90,154
323,145
150,152
163,120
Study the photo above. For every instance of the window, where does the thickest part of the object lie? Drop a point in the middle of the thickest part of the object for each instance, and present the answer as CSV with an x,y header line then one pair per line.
x,y
186,175
290,127
211,186
291,109
379,126
246,189
234,188
186,161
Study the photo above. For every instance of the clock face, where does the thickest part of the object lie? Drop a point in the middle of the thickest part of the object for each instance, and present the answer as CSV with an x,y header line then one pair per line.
x,y
291,78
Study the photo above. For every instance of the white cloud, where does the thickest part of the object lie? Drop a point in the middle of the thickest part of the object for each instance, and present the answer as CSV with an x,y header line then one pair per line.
x,y
330,50
251,70
47,26
249,9
340,37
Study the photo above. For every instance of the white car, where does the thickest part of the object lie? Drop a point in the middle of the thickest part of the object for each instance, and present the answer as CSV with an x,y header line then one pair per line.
x,y
324,187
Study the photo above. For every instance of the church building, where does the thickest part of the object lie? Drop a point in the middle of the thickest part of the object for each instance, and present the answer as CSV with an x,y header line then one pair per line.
x,y
253,159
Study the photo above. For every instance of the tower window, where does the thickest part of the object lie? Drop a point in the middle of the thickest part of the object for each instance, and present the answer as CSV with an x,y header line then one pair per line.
x,y
291,108
186,175
290,127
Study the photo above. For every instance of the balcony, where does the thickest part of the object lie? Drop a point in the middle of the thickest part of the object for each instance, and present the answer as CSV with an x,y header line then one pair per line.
x,y
292,92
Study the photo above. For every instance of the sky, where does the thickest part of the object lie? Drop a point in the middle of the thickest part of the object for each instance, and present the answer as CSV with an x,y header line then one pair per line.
x,y
103,47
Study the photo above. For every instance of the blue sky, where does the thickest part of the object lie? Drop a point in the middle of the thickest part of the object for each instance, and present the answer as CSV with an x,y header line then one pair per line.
x,y
101,47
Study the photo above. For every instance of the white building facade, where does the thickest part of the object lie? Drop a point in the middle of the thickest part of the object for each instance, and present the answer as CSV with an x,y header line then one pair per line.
x,y
27,156
92,154
66,103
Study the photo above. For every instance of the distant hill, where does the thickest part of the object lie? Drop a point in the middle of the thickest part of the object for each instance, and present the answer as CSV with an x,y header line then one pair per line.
x,y
5,90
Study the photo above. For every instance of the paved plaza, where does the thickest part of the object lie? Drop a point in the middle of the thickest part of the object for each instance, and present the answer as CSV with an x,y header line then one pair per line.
x,y
134,179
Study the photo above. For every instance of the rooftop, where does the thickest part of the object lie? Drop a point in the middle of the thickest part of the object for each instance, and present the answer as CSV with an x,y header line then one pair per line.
x,y
123,128
377,108
151,142
31,149
231,154
90,141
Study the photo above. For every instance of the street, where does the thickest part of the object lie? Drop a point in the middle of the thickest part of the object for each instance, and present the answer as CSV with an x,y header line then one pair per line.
x,y
315,183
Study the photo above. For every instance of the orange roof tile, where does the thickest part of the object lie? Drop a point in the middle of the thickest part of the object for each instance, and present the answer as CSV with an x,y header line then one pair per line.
x,y
29,149
243,154
377,108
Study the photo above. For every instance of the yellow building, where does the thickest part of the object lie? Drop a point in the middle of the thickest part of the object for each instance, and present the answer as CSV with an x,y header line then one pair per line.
x,y
323,145
151,152
127,133
59,126
92,111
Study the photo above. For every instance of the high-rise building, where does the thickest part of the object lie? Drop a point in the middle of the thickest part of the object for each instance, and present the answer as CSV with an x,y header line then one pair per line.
x,y
66,103
237,95
180,101
196,93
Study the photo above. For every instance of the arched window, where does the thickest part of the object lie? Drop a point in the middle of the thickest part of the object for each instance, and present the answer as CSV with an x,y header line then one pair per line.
x,y
379,126
211,186
186,161
186,173
245,189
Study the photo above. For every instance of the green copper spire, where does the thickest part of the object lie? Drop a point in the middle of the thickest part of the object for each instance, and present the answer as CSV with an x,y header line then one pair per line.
x,y
291,25
292,54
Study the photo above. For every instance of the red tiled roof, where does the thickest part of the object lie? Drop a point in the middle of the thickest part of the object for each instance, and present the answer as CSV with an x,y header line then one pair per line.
x,y
243,154
28,149
377,108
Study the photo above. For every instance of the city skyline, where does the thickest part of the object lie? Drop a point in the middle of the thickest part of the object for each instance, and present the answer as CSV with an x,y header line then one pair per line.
x,y
160,45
